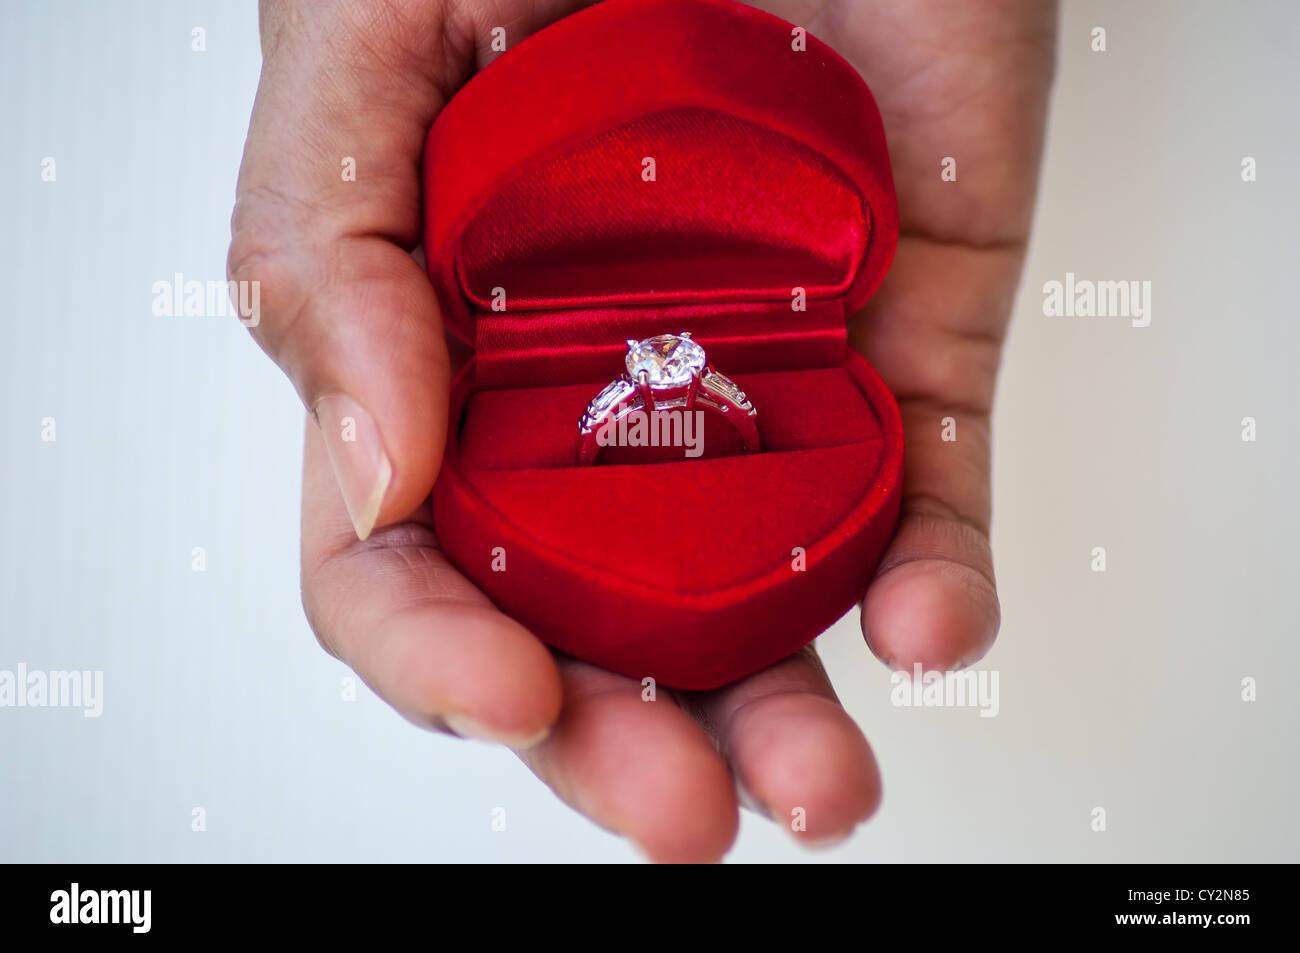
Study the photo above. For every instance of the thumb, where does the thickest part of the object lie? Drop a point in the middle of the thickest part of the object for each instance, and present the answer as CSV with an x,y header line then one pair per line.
x,y
327,211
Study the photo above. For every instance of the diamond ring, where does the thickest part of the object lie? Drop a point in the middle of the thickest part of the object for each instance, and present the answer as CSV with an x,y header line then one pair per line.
x,y
665,374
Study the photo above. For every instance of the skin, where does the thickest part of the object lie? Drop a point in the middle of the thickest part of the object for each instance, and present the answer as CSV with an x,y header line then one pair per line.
x,y
353,321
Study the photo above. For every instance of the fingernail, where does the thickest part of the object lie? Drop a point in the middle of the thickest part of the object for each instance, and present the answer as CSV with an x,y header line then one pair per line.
x,y
468,727
357,455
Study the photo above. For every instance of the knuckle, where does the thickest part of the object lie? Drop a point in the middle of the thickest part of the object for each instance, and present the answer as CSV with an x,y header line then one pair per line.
x,y
264,254
259,224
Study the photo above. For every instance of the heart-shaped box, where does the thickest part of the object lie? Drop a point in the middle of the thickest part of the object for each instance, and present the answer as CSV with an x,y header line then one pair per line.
x,y
652,166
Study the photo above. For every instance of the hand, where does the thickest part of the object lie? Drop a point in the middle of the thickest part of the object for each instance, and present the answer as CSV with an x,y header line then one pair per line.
x,y
352,319
967,81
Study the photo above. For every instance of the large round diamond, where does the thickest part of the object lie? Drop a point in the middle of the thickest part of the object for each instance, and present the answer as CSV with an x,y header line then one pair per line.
x,y
667,359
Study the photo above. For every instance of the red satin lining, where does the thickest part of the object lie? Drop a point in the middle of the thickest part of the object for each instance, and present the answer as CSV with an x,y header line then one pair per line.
x,y
737,218
535,428
587,344
676,523
822,449
736,211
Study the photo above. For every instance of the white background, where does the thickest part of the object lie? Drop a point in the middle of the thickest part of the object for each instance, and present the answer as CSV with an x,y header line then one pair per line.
x,y
1119,690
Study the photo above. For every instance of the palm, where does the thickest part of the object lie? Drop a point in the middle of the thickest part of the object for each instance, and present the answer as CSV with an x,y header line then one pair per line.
x,y
430,643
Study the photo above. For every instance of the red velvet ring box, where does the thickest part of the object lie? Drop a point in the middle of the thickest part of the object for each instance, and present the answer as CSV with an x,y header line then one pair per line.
x,y
647,167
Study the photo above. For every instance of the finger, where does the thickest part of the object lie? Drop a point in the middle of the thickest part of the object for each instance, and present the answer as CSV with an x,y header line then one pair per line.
x,y
327,210
641,768
415,630
796,754
933,601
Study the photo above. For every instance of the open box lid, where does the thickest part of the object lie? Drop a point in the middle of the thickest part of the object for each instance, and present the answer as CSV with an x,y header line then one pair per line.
x,y
644,154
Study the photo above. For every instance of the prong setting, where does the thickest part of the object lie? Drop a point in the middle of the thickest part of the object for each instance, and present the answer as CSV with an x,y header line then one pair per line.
x,y
647,395
668,372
